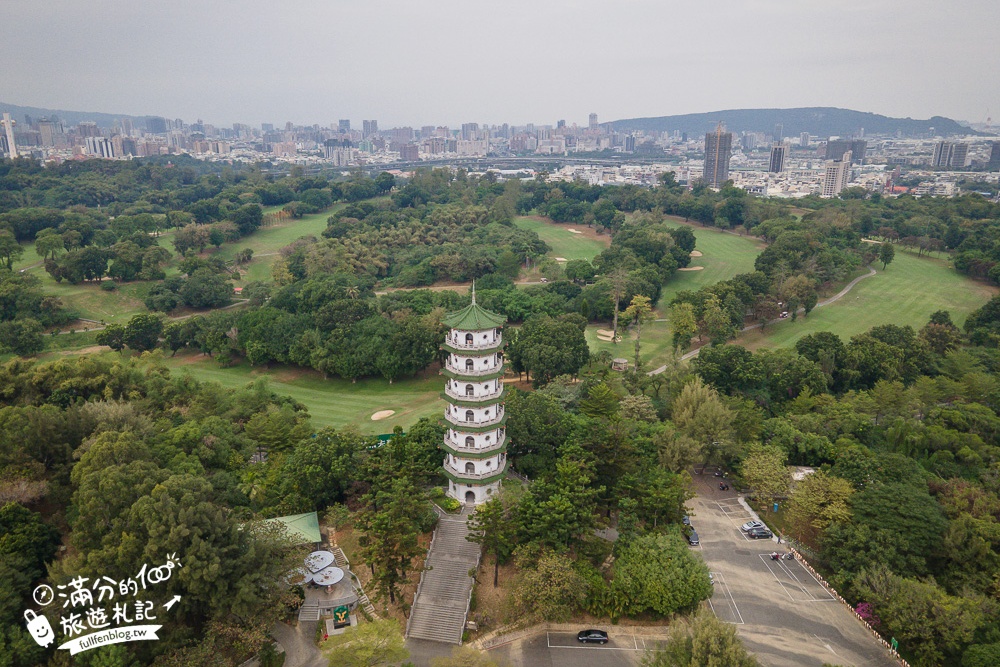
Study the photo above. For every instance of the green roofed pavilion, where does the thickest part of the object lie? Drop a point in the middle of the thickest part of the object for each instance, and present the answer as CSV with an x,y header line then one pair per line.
x,y
301,528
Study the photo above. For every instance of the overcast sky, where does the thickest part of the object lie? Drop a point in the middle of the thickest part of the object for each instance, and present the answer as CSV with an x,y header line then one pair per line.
x,y
422,62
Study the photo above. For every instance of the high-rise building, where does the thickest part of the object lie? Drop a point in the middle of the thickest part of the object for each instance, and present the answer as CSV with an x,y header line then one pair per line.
x,y
950,154
835,149
409,153
779,132
475,442
369,127
267,127
718,150
630,143
593,121
344,125
156,125
994,163
8,127
560,124
804,139
838,172
779,153
100,147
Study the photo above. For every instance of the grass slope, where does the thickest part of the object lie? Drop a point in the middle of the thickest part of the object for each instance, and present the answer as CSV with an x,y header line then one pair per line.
x,y
724,255
333,402
565,243
907,292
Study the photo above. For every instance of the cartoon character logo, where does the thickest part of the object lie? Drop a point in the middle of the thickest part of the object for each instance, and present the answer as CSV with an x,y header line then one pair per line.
x,y
39,628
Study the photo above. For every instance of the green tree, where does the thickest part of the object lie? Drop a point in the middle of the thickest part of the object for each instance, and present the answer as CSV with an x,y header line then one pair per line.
x,y
10,249
701,415
22,336
658,573
706,642
818,500
715,322
48,243
618,282
378,642
113,336
548,588
886,253
492,527
764,471
142,332
683,324
639,310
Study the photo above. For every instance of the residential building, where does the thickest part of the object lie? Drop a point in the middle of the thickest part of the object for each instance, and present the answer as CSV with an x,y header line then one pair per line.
x,y
100,147
994,163
779,153
838,172
718,151
592,121
369,127
836,148
950,154
804,140
344,125
409,153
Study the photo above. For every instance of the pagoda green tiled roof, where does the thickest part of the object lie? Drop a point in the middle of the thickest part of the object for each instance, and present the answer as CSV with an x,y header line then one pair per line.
x,y
473,318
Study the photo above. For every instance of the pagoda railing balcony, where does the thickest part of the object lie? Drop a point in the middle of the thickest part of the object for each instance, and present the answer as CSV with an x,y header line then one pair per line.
x,y
476,475
453,419
473,451
473,372
460,395
460,344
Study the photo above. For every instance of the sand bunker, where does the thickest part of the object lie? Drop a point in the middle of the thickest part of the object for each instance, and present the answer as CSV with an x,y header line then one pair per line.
x,y
605,332
692,268
560,259
575,231
382,414
696,253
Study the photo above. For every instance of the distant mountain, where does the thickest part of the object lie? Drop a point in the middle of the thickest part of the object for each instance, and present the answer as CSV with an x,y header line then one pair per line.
x,y
818,121
68,117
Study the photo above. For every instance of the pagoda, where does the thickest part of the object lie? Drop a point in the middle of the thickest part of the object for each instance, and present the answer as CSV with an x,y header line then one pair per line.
x,y
475,442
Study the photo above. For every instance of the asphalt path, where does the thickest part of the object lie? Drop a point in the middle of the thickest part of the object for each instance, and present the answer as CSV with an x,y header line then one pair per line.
x,y
783,614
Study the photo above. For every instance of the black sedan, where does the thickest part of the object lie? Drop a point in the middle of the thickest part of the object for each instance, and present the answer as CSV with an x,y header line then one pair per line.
x,y
592,636
759,533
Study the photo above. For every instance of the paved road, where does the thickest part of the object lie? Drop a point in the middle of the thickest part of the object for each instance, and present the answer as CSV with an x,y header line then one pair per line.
x,y
300,647
783,614
561,649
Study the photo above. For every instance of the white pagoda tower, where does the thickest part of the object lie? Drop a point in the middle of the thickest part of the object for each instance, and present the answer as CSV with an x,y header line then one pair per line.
x,y
475,443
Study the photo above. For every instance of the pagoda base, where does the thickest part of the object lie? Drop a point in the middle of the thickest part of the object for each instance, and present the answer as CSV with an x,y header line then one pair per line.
x,y
470,492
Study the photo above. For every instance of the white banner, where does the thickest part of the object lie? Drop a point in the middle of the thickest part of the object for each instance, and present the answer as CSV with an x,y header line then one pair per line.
x,y
129,633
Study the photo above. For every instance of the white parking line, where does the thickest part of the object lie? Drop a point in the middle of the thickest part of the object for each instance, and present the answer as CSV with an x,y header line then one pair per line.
x,y
548,641
798,585
720,584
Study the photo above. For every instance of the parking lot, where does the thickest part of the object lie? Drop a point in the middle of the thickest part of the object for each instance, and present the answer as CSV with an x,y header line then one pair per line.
x,y
561,649
782,612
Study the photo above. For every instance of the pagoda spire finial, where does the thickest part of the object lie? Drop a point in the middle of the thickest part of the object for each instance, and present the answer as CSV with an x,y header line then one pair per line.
x,y
473,291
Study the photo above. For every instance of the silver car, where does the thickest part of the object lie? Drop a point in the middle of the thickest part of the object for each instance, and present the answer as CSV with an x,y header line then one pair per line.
x,y
750,525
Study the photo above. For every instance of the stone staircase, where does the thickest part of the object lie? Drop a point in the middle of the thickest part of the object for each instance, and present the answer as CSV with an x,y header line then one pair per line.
x,y
442,601
340,560
309,611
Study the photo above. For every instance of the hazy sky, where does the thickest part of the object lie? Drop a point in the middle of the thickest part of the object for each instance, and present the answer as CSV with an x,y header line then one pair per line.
x,y
422,62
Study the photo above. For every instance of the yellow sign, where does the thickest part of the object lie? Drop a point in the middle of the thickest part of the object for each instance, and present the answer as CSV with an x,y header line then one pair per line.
x,y
341,617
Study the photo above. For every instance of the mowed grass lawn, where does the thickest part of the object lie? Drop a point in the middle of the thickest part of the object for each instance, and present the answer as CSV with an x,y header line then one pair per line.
x,y
564,243
907,292
333,402
724,255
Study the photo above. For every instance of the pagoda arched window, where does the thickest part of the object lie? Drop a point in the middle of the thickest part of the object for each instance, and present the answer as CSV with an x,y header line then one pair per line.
x,y
470,468
468,339
469,390
470,441
470,416
469,364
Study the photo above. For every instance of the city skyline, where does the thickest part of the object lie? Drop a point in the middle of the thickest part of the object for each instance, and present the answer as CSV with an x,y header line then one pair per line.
x,y
450,62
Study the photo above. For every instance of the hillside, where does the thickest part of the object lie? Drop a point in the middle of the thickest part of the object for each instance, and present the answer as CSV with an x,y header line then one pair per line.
x,y
69,117
819,121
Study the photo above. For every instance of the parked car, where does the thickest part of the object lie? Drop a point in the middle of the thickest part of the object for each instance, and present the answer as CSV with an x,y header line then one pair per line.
x,y
750,525
693,538
686,520
592,636
760,533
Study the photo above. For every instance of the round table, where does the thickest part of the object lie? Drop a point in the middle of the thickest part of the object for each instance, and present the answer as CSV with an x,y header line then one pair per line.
x,y
328,576
317,560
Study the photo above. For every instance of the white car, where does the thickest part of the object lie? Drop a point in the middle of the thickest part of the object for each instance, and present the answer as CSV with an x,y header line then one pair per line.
x,y
750,525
